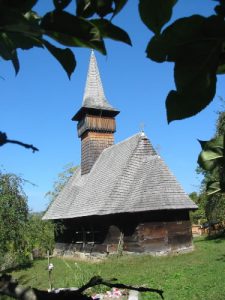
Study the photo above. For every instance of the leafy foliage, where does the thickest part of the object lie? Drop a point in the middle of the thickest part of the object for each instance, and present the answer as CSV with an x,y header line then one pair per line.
x,y
39,235
215,208
13,215
194,44
13,211
20,232
62,179
21,27
156,13
211,161
199,215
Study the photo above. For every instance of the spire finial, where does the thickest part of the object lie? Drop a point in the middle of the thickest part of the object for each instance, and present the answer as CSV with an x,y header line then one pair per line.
x,y
142,127
94,95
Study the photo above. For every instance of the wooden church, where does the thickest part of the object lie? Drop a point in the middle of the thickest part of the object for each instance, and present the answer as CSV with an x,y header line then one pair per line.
x,y
123,197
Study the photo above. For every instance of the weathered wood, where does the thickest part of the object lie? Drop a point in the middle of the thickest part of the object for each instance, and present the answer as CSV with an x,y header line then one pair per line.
x,y
96,123
92,145
142,233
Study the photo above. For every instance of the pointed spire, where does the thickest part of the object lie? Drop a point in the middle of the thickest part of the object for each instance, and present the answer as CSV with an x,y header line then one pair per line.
x,y
94,100
94,96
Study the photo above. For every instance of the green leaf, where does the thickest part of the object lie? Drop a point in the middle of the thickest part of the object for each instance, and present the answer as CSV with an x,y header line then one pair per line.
x,y
214,27
208,159
196,58
157,49
212,153
221,65
215,144
85,8
6,47
19,5
108,30
103,7
32,17
61,4
195,79
8,52
220,9
15,61
177,40
196,88
119,4
64,56
13,21
213,187
156,13
221,69
70,30
24,42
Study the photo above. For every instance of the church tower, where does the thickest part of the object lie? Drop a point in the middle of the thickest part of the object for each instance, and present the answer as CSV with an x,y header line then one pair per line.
x,y
96,119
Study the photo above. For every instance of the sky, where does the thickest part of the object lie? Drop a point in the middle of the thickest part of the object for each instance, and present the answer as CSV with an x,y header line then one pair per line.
x,y
37,106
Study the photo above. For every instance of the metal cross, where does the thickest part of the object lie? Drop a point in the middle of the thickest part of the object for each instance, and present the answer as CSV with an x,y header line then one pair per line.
x,y
142,126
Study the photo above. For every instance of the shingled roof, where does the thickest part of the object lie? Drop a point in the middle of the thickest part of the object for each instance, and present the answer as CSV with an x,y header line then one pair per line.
x,y
94,95
94,98
127,177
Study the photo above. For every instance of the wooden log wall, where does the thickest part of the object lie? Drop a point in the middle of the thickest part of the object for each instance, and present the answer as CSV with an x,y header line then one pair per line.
x,y
92,145
96,123
142,233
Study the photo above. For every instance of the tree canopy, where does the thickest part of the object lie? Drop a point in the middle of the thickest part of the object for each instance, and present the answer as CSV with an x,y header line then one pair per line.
x,y
60,182
194,44
13,210
211,160
21,232
13,214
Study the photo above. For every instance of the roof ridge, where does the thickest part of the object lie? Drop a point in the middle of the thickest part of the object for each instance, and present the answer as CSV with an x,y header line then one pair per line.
x,y
141,137
121,142
128,163
111,147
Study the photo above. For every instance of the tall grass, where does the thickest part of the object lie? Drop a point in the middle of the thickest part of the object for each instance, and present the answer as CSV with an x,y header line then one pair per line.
x,y
197,275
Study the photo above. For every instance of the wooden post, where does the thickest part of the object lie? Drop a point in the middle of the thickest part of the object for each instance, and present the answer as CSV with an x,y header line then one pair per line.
x,y
120,245
49,272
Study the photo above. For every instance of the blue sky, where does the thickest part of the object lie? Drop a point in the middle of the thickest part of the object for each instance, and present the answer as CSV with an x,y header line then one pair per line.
x,y
38,104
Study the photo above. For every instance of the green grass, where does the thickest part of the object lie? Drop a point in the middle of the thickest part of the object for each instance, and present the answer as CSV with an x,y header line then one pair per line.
x,y
197,275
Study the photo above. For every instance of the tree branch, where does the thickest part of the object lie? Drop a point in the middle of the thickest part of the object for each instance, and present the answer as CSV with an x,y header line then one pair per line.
x,y
98,280
4,140
10,287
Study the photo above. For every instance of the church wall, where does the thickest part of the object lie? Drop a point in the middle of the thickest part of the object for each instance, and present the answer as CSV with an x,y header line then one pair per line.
x,y
160,237
158,232
92,145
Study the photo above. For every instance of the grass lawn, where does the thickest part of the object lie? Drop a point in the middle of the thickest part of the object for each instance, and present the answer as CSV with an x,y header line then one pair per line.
x,y
197,275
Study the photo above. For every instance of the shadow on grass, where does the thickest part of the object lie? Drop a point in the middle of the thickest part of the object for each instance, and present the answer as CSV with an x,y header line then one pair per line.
x,y
22,266
23,279
221,258
217,238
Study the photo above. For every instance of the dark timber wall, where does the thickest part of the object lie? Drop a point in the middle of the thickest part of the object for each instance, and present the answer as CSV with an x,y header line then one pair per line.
x,y
92,145
96,134
152,232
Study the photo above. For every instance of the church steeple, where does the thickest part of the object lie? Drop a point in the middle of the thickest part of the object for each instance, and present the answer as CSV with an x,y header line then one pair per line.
x,y
94,94
96,122
94,99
